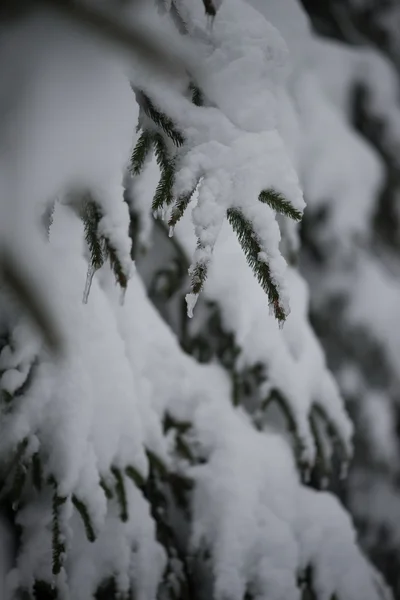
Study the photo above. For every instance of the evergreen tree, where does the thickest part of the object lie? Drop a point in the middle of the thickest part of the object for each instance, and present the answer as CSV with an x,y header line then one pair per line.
x,y
158,456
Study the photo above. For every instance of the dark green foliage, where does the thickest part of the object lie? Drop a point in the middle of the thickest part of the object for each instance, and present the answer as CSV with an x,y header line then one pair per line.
x,y
135,476
160,119
177,19
197,96
322,467
180,206
279,204
333,433
141,151
252,248
121,493
106,489
18,485
116,266
176,584
100,248
84,513
57,538
91,217
37,472
13,465
198,277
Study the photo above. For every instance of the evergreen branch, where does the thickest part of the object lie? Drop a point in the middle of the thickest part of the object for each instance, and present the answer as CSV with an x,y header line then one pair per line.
x,y
22,446
107,491
180,206
116,266
121,493
57,542
161,152
99,246
279,204
198,276
91,217
135,476
321,460
84,513
160,119
157,464
178,20
18,485
252,248
333,432
141,151
37,471
163,194
197,96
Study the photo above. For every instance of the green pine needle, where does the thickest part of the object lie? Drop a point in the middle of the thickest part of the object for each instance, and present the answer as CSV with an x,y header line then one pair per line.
x,y
251,248
84,513
178,20
106,489
197,96
160,119
37,471
279,204
198,277
180,206
117,269
163,195
135,476
99,246
141,151
91,217
121,493
58,544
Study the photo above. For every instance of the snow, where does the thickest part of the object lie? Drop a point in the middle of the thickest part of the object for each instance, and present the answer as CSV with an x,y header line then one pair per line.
x,y
101,404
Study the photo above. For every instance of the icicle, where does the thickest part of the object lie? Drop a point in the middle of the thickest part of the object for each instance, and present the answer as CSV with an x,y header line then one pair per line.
x,y
171,231
89,278
191,300
122,297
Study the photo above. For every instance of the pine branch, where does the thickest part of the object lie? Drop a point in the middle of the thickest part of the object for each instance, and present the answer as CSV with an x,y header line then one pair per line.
x,y
161,152
252,248
279,204
197,96
198,276
135,476
84,513
106,489
37,471
58,544
141,151
99,246
160,119
163,194
180,206
121,493
116,266
91,217
178,20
